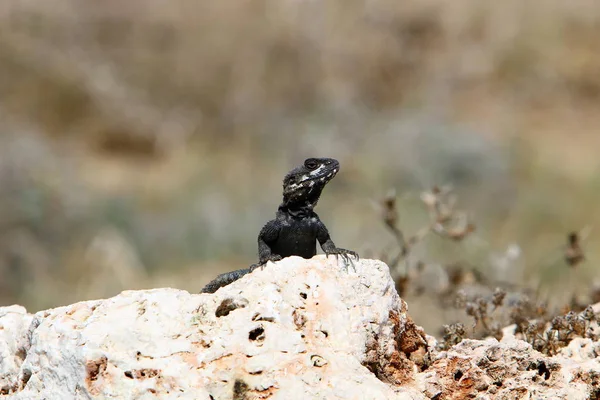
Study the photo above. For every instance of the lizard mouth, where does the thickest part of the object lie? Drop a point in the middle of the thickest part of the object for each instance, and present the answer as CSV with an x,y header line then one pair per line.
x,y
304,181
321,176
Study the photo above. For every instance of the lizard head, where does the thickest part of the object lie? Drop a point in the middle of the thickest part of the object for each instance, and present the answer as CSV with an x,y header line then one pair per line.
x,y
303,185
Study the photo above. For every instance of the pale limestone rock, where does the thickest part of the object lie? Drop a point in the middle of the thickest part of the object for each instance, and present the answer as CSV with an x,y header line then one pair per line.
x,y
14,322
297,329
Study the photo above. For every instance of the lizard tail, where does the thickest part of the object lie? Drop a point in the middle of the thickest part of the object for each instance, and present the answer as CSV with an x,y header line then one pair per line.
x,y
224,279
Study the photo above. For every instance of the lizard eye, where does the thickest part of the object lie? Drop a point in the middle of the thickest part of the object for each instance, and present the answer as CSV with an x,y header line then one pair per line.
x,y
311,164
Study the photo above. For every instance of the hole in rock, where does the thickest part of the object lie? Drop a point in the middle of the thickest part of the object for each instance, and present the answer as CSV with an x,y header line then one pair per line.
x,y
543,370
318,361
458,375
95,367
259,317
303,295
142,374
21,353
240,390
26,376
229,305
257,334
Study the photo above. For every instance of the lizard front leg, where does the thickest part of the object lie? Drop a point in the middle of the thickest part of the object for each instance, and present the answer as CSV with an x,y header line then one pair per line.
x,y
329,247
268,235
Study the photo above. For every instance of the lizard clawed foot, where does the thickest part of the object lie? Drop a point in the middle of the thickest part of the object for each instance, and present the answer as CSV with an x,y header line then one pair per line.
x,y
272,258
345,254
263,263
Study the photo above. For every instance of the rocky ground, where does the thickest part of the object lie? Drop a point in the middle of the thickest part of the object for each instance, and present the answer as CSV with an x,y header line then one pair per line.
x,y
298,329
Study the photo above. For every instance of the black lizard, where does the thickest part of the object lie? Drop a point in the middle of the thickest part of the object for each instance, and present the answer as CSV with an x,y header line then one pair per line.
x,y
296,227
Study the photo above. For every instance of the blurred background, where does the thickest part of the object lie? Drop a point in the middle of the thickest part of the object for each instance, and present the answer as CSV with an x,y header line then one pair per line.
x,y
143,143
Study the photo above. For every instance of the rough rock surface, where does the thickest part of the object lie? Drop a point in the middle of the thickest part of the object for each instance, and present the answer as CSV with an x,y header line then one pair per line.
x,y
14,323
511,369
297,329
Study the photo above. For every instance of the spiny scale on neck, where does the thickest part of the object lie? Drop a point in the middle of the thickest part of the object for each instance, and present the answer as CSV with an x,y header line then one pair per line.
x,y
303,185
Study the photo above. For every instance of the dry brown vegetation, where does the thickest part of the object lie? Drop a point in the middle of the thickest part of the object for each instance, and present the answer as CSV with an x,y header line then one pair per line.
x,y
493,301
142,143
